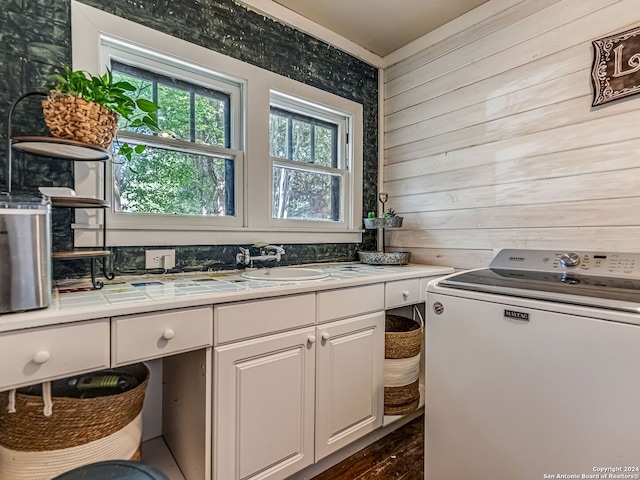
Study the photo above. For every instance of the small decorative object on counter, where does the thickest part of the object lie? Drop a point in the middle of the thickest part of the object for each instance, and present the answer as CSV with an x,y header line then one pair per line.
x,y
385,258
389,219
383,222
49,429
403,346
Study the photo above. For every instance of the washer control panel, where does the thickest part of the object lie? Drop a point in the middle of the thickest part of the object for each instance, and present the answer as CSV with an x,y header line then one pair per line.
x,y
623,265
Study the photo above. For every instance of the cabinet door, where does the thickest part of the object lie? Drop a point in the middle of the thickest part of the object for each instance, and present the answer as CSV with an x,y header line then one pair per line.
x,y
264,403
350,390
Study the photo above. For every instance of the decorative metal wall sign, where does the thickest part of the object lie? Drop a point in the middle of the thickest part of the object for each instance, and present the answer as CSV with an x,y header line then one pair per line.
x,y
616,66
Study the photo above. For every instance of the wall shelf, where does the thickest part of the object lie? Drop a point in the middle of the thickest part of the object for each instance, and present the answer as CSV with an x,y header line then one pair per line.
x,y
78,202
72,254
59,148
72,150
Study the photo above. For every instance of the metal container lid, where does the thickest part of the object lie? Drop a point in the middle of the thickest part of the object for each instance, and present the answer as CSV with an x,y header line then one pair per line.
x,y
113,469
23,202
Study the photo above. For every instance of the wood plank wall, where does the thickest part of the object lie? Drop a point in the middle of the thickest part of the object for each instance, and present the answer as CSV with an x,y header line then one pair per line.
x,y
491,141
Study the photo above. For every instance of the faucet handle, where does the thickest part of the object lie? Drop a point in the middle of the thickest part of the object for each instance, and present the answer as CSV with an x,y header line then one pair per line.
x,y
275,248
244,257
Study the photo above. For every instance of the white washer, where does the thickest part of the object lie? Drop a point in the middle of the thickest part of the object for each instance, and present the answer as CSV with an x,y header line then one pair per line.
x,y
533,368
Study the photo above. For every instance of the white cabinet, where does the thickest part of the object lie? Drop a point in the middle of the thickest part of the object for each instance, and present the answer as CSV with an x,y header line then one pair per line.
x,y
349,381
263,406
289,380
284,400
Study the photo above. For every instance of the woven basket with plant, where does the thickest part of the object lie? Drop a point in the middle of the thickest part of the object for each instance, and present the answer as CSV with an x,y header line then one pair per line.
x,y
74,118
86,108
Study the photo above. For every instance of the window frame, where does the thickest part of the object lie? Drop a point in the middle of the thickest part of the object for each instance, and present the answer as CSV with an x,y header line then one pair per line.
x,y
343,121
253,165
147,59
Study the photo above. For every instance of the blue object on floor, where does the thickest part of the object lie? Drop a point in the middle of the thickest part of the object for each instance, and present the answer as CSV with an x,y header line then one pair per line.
x,y
113,470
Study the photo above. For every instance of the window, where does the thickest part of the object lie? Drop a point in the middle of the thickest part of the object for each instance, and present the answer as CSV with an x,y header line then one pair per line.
x,y
190,170
169,178
244,155
308,146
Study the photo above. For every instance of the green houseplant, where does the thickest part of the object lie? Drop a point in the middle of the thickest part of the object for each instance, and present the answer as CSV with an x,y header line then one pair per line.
x,y
86,108
388,219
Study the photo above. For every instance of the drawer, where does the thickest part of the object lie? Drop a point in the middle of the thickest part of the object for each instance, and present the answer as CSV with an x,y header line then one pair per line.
x,y
38,354
349,302
401,293
236,321
152,335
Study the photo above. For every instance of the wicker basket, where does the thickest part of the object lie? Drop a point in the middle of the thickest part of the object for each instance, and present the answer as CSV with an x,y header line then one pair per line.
x,y
402,337
74,118
403,345
402,400
78,431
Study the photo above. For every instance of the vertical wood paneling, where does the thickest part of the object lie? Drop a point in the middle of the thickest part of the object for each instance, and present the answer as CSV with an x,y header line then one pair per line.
x,y
491,141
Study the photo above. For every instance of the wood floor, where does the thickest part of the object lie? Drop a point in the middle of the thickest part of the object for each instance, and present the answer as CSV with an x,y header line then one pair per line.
x,y
399,455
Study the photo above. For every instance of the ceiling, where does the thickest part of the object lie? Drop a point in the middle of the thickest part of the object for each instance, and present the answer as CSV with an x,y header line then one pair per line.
x,y
381,26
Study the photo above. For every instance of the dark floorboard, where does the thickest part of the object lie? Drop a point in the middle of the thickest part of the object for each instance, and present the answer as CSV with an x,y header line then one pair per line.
x,y
398,456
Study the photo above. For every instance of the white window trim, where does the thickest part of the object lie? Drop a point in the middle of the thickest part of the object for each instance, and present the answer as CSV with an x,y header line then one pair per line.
x,y
113,49
344,121
89,25
184,222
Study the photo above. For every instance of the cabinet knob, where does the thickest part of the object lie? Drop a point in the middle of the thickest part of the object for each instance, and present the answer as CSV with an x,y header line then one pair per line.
x,y
41,357
405,294
311,339
168,334
326,335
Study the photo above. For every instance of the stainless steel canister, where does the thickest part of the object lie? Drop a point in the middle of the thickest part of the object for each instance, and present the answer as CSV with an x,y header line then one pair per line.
x,y
25,252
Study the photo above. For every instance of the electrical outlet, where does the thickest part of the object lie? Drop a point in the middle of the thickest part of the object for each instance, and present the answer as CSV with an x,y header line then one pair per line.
x,y
160,259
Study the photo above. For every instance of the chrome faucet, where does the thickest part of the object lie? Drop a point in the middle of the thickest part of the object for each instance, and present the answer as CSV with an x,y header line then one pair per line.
x,y
267,253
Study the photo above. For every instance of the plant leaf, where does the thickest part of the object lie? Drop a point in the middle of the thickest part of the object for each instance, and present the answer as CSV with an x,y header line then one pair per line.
x,y
146,106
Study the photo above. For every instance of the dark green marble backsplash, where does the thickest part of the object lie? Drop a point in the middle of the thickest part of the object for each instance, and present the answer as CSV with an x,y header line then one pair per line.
x,y
35,39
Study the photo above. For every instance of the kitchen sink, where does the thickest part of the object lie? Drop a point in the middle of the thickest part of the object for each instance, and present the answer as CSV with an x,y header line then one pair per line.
x,y
284,274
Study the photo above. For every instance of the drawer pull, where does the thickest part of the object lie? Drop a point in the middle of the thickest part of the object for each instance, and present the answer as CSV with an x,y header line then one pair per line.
x,y
41,357
311,339
326,336
405,294
168,334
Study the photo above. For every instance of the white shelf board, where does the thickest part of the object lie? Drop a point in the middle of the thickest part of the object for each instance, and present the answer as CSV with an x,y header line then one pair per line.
x,y
156,454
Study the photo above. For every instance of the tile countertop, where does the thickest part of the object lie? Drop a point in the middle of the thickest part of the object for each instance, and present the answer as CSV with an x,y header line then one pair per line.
x,y
75,301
